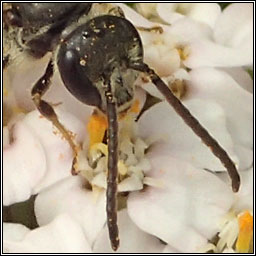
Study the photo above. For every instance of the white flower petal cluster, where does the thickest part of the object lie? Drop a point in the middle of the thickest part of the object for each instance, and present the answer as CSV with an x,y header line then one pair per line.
x,y
188,192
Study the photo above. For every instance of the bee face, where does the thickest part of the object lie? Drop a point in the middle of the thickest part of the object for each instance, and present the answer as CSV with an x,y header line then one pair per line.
x,y
103,48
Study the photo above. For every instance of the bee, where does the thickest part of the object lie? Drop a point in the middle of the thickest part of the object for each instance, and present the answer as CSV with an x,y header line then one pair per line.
x,y
99,55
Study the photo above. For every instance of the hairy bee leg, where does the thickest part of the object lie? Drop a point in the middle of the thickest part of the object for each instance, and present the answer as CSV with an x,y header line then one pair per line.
x,y
112,171
155,29
38,90
193,123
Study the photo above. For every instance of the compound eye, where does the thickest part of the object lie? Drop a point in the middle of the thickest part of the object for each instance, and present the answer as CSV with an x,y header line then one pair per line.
x,y
12,18
74,78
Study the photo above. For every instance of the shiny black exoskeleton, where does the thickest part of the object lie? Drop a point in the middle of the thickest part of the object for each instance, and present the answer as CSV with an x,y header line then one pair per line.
x,y
99,50
40,24
99,56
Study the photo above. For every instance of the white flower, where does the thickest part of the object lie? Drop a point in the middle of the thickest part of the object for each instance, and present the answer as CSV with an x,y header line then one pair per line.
x,y
206,13
63,235
208,84
205,83
236,227
229,41
37,156
232,42
178,178
169,13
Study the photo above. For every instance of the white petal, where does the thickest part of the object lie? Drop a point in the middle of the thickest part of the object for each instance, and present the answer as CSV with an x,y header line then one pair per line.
x,y
14,232
167,12
244,197
59,94
14,247
187,31
70,196
233,44
245,156
242,78
235,25
59,155
132,239
210,84
207,13
169,59
229,251
204,12
187,210
23,79
24,165
135,17
169,249
163,123
131,183
100,180
205,53
63,235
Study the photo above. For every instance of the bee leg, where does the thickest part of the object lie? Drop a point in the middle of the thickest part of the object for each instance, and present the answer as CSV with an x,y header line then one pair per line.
x,y
112,170
38,90
193,123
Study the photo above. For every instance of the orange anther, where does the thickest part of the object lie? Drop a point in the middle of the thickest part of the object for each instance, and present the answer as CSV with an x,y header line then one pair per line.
x,y
96,127
245,232
135,107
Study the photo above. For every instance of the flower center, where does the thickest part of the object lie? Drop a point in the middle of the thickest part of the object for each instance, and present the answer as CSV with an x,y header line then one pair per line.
x,y
132,164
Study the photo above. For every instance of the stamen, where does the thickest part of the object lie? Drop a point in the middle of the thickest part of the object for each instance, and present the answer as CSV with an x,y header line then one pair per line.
x,y
135,108
98,148
245,232
183,52
122,168
131,163
178,88
96,128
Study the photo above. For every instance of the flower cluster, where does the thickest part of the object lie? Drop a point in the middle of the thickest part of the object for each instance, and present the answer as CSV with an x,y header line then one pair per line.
x,y
175,196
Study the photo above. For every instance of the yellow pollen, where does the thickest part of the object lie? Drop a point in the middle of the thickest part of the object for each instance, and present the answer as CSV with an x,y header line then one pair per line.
x,y
98,124
245,232
135,107
183,52
96,128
